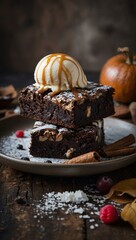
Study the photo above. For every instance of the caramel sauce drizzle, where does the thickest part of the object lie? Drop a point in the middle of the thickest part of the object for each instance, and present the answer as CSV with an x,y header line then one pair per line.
x,y
38,69
51,76
68,76
62,68
78,71
62,57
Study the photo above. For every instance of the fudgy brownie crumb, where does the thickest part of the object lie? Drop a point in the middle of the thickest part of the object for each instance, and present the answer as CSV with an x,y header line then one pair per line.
x,y
52,141
70,109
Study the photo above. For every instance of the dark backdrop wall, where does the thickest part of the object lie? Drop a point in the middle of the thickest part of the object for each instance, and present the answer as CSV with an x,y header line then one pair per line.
x,y
89,30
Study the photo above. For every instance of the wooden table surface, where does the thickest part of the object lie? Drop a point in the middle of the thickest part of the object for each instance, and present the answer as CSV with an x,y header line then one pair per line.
x,y
20,193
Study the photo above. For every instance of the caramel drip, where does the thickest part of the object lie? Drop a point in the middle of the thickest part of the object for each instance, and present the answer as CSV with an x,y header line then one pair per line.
x,y
51,77
44,70
68,76
75,93
38,69
43,76
62,58
74,62
62,68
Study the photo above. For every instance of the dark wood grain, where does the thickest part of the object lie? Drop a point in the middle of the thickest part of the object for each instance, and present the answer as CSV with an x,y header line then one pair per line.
x,y
20,191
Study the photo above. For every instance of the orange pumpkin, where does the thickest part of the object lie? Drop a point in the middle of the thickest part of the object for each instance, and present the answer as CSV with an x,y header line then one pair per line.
x,y
119,72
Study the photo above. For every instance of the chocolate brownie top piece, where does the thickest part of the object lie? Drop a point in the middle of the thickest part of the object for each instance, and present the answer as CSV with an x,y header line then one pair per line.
x,y
70,109
78,95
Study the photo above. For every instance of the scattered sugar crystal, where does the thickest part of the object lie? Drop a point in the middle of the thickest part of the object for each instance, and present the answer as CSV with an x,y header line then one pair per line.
x,y
84,216
60,218
95,208
89,204
79,210
91,220
96,225
97,213
77,196
78,202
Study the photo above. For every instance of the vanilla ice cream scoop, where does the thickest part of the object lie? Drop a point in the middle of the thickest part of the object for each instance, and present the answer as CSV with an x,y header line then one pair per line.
x,y
59,72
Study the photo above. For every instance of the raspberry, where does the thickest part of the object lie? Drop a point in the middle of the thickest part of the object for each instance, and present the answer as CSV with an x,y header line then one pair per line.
x,y
104,184
108,214
19,133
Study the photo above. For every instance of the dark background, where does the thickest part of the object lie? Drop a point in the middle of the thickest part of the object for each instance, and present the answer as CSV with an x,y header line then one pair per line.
x,y
89,30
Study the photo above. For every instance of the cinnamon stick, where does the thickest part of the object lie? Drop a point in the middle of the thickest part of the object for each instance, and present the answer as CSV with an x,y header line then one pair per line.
x,y
123,142
84,158
121,152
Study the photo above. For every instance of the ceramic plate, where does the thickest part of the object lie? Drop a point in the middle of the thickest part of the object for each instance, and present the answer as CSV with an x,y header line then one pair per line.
x,y
114,130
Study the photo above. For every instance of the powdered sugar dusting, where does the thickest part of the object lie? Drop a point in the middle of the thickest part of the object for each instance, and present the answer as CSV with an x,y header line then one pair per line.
x,y
9,144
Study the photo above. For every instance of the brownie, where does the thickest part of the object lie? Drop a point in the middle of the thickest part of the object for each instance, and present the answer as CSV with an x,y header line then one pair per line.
x,y
70,109
52,141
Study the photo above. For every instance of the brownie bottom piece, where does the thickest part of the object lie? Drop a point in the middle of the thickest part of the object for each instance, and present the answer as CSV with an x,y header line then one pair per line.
x,y
51,141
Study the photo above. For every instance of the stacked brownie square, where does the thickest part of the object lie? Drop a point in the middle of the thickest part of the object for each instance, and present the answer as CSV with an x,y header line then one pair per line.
x,y
68,123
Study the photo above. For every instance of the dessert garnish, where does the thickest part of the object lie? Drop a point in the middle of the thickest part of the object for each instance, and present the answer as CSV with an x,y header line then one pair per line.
x,y
104,184
108,214
59,72
19,133
84,158
124,192
121,147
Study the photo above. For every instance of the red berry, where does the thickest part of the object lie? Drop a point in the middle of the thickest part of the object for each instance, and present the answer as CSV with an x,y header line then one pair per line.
x,y
19,133
108,214
104,184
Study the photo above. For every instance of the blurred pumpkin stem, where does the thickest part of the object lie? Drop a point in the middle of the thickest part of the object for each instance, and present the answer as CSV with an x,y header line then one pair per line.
x,y
127,53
